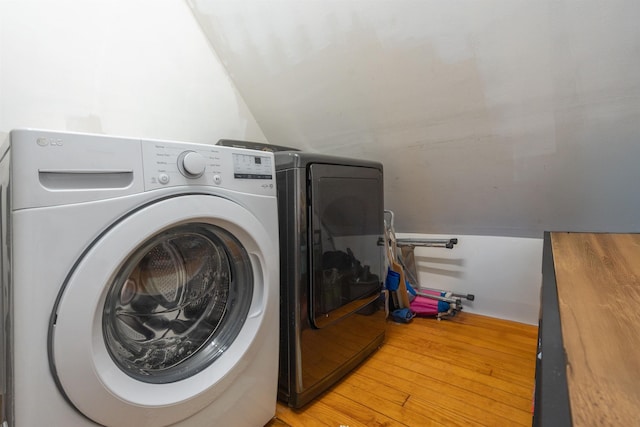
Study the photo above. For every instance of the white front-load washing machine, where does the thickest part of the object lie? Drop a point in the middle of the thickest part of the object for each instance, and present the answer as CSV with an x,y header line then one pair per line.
x,y
139,282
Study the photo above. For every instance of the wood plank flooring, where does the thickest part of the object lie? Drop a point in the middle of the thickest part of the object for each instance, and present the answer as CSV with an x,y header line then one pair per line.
x,y
467,371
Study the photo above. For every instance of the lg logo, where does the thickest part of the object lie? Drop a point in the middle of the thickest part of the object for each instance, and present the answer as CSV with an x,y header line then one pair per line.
x,y
54,142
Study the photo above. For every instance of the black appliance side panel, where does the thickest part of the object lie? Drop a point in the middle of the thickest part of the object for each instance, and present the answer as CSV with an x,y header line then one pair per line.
x,y
292,208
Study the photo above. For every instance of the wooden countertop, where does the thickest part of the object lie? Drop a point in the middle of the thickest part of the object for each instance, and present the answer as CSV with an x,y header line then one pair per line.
x,y
598,282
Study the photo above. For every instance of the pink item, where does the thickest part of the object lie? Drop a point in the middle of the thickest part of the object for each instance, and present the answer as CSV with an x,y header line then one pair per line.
x,y
423,306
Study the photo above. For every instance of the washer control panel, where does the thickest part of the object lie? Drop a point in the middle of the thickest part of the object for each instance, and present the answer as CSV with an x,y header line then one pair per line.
x,y
168,164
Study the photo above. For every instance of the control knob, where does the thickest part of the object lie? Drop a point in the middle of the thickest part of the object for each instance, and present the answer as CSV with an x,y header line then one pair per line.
x,y
191,164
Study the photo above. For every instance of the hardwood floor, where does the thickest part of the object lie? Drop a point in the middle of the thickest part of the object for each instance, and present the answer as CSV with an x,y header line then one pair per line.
x,y
467,371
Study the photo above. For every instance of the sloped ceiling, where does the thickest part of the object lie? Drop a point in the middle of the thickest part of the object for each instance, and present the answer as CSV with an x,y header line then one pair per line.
x,y
493,117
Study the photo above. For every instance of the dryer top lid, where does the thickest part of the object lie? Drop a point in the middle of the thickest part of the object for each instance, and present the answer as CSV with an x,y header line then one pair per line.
x,y
301,159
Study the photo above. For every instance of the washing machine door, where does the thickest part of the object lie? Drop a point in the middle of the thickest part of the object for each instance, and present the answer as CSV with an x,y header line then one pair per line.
x,y
158,316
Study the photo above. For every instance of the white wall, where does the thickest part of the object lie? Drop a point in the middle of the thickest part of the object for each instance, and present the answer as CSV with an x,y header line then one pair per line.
x,y
492,117
504,273
122,67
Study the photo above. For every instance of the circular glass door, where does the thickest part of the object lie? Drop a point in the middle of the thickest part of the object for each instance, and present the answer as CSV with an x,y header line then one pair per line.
x,y
177,303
